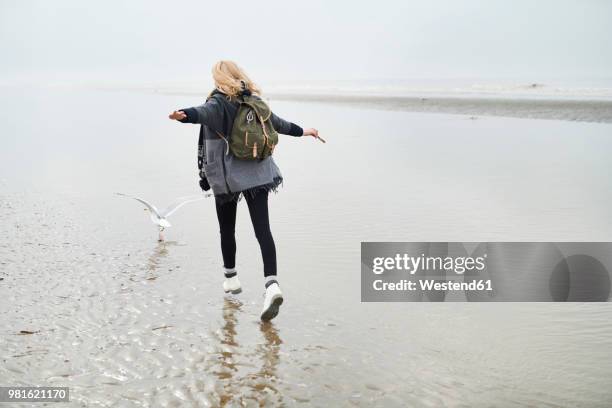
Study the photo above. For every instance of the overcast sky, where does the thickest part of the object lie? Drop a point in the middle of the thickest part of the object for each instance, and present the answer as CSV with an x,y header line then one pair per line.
x,y
304,40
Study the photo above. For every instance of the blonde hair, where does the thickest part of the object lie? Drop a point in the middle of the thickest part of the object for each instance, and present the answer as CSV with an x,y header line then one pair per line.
x,y
229,79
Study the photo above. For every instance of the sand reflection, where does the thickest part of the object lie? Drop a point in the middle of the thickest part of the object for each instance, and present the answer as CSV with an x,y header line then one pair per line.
x,y
160,252
238,385
268,353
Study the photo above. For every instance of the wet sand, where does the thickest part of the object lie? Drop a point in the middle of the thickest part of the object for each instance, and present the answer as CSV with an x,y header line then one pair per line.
x,y
530,108
123,320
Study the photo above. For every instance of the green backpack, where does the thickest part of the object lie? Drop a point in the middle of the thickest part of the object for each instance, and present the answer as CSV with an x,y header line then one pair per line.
x,y
253,137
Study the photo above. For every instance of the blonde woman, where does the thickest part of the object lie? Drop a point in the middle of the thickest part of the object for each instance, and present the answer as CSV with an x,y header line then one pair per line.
x,y
230,177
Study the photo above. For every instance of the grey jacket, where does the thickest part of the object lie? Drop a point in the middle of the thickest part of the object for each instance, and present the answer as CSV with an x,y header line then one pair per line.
x,y
225,173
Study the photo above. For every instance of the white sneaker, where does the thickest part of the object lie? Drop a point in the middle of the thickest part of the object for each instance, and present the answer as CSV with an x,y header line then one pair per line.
x,y
272,301
232,285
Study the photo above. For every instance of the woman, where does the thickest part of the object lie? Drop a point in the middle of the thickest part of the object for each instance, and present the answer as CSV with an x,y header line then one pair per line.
x,y
231,178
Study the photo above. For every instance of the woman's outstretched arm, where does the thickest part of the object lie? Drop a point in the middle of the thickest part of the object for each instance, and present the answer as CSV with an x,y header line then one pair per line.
x,y
287,128
208,114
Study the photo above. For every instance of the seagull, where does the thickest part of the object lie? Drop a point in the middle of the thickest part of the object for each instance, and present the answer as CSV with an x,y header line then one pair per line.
x,y
159,218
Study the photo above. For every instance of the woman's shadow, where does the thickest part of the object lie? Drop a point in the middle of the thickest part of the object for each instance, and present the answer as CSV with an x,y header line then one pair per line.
x,y
262,385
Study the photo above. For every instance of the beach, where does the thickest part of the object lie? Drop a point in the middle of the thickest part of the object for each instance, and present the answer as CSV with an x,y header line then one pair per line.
x,y
91,300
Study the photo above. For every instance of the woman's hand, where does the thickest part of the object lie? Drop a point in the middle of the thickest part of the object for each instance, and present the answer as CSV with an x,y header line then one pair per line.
x,y
177,115
314,133
311,132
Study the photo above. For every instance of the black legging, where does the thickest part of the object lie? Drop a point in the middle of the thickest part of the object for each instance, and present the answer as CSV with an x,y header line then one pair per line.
x,y
258,209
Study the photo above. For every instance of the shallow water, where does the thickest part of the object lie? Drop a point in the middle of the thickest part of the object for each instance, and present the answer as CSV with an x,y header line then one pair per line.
x,y
123,320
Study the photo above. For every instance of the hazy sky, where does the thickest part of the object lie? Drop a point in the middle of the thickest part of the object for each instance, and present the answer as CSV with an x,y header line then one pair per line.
x,y
319,39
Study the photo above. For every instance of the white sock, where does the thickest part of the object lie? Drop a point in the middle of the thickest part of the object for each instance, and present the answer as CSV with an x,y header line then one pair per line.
x,y
269,280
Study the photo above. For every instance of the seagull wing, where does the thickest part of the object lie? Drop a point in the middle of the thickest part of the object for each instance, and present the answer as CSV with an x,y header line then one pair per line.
x,y
181,201
151,207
